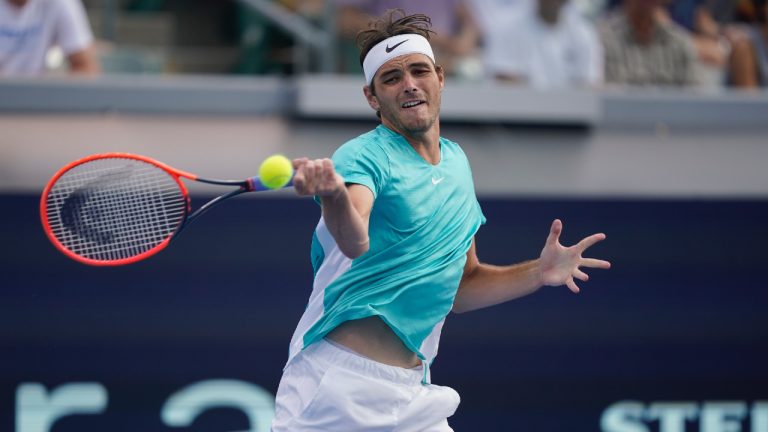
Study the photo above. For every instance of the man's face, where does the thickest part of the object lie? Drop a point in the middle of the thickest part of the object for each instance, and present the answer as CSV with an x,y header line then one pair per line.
x,y
407,94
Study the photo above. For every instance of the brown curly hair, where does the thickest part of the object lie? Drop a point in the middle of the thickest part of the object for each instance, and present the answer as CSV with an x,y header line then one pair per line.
x,y
393,22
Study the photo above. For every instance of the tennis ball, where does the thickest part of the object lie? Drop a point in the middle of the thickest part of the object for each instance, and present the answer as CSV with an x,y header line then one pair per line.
x,y
276,171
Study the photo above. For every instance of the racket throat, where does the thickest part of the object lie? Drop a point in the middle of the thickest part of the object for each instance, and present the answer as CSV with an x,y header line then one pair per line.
x,y
191,218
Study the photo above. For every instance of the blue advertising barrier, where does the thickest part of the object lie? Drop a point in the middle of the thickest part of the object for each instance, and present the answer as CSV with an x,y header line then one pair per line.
x,y
673,338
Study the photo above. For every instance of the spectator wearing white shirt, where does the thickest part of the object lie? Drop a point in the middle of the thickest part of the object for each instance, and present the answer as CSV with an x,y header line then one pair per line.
x,y
30,28
547,46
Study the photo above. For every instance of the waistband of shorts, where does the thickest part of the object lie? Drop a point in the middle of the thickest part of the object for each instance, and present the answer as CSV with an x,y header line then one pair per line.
x,y
350,360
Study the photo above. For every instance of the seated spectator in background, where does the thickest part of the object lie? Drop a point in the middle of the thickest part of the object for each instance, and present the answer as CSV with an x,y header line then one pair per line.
x,y
493,13
643,48
749,67
30,28
455,42
712,47
547,46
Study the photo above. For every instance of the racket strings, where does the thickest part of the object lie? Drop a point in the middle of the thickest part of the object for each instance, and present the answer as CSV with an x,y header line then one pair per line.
x,y
112,209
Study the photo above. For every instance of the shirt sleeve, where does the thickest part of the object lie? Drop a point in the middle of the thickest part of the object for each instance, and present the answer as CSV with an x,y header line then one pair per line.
x,y
362,163
73,32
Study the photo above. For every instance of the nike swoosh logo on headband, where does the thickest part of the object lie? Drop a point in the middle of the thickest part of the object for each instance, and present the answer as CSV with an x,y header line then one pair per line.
x,y
389,50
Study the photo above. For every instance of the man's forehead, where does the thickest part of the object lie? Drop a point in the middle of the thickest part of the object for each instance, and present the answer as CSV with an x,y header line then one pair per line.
x,y
404,61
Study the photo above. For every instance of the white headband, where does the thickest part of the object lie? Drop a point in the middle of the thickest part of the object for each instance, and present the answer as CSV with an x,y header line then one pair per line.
x,y
390,48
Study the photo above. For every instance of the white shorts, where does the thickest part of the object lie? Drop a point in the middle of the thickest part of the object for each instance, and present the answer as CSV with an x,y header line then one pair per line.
x,y
328,388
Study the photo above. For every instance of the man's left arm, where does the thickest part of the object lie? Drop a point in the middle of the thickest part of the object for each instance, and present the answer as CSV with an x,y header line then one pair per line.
x,y
484,285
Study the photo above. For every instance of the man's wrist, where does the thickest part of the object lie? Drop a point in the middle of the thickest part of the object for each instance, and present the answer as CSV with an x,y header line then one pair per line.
x,y
338,195
538,272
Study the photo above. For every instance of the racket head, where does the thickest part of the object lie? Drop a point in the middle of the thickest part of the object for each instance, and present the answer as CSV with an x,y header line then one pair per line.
x,y
114,208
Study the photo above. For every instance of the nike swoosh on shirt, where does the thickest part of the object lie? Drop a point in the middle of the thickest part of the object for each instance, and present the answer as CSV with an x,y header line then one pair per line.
x,y
389,49
436,181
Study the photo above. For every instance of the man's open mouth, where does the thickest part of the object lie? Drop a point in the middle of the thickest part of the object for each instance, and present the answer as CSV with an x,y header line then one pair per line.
x,y
411,104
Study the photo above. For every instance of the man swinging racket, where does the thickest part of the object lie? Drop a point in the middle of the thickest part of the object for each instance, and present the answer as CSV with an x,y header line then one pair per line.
x,y
394,253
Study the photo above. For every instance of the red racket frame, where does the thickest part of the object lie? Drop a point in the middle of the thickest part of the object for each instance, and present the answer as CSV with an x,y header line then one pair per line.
x,y
248,185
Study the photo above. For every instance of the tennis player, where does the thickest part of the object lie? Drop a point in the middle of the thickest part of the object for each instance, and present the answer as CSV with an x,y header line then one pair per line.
x,y
394,253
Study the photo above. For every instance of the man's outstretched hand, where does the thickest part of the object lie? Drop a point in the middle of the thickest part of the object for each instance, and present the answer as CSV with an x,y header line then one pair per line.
x,y
316,177
560,265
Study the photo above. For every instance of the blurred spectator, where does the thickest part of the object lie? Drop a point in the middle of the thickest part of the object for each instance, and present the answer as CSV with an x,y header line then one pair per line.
x,y
266,48
722,11
491,13
644,48
455,43
30,28
712,47
749,66
592,10
547,46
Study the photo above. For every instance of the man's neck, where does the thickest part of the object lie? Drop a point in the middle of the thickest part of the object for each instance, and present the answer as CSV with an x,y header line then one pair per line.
x,y
426,144
427,148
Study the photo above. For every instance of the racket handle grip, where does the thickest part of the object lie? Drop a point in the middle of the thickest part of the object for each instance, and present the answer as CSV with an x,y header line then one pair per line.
x,y
255,185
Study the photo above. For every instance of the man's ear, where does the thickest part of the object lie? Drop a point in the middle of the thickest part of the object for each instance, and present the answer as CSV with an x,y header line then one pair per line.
x,y
373,102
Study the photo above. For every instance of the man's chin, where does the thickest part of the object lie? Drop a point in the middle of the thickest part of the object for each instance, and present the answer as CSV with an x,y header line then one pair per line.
x,y
422,125
412,126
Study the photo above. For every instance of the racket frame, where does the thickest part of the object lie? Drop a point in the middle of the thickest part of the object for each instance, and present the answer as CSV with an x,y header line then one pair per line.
x,y
251,184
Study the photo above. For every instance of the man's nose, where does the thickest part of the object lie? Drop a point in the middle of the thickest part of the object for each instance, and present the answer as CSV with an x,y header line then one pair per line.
x,y
409,83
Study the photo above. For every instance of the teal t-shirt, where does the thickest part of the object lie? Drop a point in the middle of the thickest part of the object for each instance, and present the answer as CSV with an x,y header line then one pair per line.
x,y
421,226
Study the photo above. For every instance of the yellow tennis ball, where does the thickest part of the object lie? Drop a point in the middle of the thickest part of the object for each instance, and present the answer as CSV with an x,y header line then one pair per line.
x,y
276,171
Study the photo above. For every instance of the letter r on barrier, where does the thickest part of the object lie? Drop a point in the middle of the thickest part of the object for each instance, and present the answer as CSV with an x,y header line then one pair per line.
x,y
37,409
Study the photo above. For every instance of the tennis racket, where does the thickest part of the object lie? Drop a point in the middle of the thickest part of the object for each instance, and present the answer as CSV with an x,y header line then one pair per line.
x,y
117,208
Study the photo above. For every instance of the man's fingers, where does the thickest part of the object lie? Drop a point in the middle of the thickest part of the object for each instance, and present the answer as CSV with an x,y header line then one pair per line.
x,y
589,241
554,231
580,275
303,180
329,173
299,183
299,162
595,263
314,176
309,172
572,285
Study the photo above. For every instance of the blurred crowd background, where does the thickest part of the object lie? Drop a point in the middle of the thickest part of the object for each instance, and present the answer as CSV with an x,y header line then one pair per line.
x,y
545,44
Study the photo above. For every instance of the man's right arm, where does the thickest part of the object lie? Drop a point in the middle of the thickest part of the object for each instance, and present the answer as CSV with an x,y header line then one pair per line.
x,y
346,209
